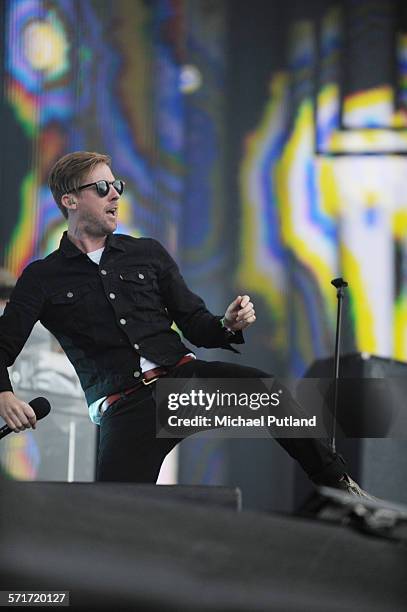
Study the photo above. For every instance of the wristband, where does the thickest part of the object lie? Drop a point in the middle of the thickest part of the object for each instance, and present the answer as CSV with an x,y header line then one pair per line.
x,y
222,322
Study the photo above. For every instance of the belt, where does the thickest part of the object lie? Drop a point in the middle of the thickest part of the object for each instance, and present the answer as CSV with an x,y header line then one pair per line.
x,y
148,377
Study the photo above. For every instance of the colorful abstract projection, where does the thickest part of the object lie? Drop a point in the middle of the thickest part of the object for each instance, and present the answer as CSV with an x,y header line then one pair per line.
x,y
324,189
75,81
20,457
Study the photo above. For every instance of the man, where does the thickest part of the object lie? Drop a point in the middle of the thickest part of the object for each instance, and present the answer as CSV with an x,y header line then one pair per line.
x,y
111,300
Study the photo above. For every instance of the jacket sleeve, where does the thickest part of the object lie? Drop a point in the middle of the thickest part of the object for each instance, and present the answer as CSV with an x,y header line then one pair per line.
x,y
188,310
20,314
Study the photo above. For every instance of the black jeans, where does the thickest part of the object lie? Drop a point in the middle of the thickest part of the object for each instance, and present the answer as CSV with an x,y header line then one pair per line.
x,y
130,452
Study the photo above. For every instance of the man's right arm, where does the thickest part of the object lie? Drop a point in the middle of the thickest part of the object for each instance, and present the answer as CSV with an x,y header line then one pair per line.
x,y
21,313
17,414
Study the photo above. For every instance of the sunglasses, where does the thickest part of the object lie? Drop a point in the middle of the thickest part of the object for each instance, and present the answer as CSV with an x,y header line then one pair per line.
x,y
103,187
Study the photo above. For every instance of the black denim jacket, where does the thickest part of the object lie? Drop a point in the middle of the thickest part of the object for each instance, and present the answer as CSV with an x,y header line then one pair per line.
x,y
105,317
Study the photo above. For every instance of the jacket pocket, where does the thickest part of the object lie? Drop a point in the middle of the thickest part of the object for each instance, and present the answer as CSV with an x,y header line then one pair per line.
x,y
141,276
71,295
141,288
71,310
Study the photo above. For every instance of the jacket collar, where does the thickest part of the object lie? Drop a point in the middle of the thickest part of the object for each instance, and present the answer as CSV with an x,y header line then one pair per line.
x,y
67,247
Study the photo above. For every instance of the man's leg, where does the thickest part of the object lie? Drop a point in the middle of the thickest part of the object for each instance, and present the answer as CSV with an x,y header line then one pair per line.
x,y
314,455
128,448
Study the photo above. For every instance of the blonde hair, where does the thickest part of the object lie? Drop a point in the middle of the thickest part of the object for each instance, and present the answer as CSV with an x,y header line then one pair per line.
x,y
69,171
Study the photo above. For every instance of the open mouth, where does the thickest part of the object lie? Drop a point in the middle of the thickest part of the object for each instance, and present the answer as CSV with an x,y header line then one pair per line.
x,y
112,212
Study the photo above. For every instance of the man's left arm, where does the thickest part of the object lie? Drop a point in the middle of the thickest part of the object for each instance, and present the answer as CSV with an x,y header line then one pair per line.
x,y
190,313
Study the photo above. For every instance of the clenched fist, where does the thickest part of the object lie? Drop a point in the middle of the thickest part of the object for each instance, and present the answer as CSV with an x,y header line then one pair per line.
x,y
239,314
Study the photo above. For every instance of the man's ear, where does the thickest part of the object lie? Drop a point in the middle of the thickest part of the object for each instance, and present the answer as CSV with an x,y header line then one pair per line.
x,y
69,201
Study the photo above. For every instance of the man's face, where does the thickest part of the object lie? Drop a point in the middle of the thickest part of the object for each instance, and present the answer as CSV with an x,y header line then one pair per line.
x,y
95,215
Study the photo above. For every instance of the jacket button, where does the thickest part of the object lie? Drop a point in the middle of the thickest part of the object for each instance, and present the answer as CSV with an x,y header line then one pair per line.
x,y
69,294
137,346
136,374
103,272
141,276
112,296
123,321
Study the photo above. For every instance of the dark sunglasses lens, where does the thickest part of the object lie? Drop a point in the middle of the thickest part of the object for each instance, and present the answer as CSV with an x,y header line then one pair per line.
x,y
119,186
102,188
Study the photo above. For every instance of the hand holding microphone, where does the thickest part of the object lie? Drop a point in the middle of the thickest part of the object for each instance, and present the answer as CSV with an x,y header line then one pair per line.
x,y
19,415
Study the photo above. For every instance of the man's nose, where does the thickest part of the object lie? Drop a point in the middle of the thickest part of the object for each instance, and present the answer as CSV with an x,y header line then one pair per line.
x,y
112,193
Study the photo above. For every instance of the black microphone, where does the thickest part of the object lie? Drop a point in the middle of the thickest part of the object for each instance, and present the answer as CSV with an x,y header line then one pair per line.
x,y
41,407
339,282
